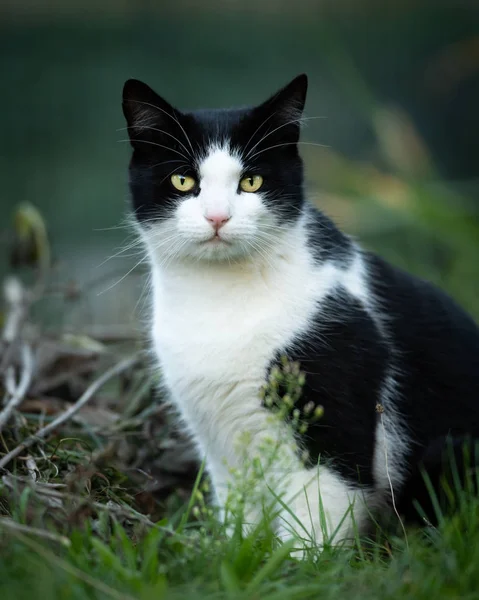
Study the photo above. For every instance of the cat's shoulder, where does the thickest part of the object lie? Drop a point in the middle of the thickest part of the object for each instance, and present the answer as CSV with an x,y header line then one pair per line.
x,y
390,293
326,241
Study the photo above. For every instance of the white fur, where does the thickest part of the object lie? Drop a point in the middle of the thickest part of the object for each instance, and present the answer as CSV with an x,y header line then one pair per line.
x,y
391,437
392,442
190,233
219,314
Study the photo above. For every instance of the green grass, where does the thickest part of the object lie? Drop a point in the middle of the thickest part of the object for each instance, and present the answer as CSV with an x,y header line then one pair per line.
x,y
77,531
88,546
108,560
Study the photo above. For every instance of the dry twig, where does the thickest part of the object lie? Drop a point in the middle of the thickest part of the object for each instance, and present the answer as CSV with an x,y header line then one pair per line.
x,y
48,492
32,468
17,299
19,391
43,533
70,412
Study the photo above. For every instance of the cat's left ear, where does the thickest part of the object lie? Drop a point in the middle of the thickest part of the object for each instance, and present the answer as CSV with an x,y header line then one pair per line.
x,y
147,114
285,108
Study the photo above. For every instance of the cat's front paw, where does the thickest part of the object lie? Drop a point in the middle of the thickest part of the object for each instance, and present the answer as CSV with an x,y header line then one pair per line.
x,y
301,544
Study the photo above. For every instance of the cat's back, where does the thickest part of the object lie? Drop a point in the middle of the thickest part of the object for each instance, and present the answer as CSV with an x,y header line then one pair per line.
x,y
437,349
418,310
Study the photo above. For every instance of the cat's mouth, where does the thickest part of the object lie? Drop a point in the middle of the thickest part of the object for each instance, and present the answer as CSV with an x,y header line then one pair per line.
x,y
216,240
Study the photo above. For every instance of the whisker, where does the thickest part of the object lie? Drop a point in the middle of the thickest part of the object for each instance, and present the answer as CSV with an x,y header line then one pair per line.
x,y
258,128
113,228
165,241
169,175
165,162
124,276
301,119
169,115
262,250
271,133
273,242
147,286
298,120
120,252
289,144
155,144
274,227
174,251
158,131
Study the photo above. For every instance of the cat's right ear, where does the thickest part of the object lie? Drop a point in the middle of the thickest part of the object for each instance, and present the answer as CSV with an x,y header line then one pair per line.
x,y
288,102
147,114
282,112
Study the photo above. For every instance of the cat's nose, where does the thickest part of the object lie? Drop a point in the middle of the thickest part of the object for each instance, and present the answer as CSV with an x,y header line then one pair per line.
x,y
217,220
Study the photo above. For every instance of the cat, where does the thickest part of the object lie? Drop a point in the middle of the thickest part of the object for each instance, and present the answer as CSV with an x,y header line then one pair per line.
x,y
244,271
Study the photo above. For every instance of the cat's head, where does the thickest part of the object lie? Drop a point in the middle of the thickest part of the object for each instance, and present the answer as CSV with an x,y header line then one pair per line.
x,y
215,184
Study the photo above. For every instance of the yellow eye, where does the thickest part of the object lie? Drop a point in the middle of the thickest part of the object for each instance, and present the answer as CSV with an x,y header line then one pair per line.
x,y
251,183
182,183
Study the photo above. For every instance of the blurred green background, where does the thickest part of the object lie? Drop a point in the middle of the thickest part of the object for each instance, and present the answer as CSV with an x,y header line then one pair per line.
x,y
395,84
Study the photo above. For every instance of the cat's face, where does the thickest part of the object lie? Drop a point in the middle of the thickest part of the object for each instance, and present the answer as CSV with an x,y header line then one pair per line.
x,y
219,184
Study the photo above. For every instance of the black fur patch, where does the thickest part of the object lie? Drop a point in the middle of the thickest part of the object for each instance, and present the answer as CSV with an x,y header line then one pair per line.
x,y
345,361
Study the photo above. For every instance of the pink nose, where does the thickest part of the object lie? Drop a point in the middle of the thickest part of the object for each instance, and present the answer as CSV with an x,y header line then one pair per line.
x,y
217,220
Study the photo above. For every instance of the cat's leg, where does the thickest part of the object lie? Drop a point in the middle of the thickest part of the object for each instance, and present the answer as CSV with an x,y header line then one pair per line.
x,y
321,508
249,508
248,485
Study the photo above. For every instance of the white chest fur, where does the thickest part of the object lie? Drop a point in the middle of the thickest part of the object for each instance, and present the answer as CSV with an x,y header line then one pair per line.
x,y
216,329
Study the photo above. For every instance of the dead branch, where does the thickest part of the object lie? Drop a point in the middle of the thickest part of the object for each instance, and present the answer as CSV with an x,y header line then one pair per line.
x,y
17,391
70,412
58,379
32,468
16,298
47,492
103,333
7,523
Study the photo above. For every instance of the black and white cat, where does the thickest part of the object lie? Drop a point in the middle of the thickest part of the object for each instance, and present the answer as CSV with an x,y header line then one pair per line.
x,y
244,270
